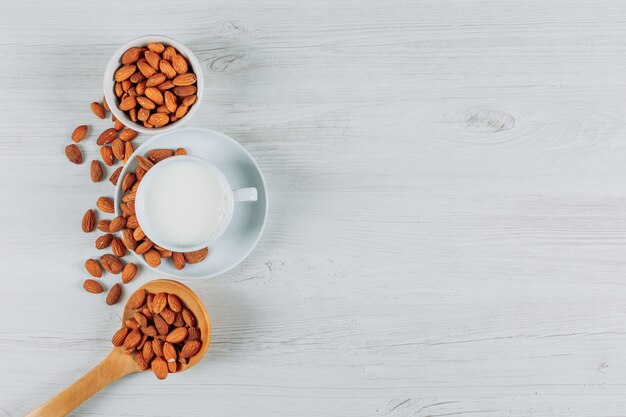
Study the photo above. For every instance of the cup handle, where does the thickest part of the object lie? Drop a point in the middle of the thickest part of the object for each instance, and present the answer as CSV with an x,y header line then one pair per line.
x,y
245,194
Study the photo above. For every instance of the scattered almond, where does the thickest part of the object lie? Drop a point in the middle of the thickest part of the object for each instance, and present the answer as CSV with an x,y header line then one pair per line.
x,y
74,154
79,133
93,267
89,221
92,286
114,294
98,110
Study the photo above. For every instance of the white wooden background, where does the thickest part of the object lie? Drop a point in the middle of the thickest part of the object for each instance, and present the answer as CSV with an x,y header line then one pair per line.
x,y
447,231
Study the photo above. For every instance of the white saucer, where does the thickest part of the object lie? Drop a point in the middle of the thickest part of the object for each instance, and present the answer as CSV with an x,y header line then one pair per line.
x,y
237,164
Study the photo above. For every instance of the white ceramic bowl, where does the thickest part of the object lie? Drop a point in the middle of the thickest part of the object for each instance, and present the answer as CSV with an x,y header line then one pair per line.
x,y
114,64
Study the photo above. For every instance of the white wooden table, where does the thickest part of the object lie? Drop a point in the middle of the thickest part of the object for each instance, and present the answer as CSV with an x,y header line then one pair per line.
x,y
447,230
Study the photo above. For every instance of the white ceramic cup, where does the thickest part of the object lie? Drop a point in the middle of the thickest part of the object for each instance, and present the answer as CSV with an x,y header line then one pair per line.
x,y
228,207
114,64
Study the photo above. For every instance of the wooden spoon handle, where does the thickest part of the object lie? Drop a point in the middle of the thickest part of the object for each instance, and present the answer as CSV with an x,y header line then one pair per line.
x,y
110,369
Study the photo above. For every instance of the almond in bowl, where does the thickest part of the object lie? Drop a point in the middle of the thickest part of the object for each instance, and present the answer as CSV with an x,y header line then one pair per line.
x,y
153,83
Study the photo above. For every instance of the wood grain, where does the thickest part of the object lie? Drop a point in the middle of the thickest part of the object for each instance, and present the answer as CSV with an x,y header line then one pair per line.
x,y
446,232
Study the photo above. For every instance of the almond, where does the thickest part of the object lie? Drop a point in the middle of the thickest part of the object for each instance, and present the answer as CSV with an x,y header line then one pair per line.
x,y
178,321
118,90
179,63
128,273
143,114
137,78
79,133
118,125
111,263
118,248
170,101
129,241
161,326
95,171
107,155
181,111
136,300
174,302
157,347
127,134
156,47
177,335
74,154
196,256
104,241
168,315
172,367
89,221
163,253
146,103
128,181
119,336
128,151
159,367
93,267
184,79
158,119
131,323
117,224
147,353
131,222
92,286
178,259
189,100
129,197
126,84
153,59
132,113
159,302
114,294
142,364
132,339
140,88
189,318
139,173
124,72
181,151
166,85
105,204
152,258
103,225
98,110
145,68
106,137
193,333
138,235
115,175
169,53
169,352
156,79
140,318
185,90
144,247
167,69
131,56
191,348
157,155
128,103
155,96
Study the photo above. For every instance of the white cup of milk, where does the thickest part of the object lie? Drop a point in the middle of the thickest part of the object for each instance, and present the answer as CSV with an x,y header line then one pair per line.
x,y
185,203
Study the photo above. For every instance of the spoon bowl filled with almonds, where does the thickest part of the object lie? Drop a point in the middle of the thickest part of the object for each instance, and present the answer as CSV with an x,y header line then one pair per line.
x,y
165,329
153,83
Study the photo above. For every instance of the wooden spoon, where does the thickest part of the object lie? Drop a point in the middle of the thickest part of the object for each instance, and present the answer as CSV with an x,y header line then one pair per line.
x,y
118,363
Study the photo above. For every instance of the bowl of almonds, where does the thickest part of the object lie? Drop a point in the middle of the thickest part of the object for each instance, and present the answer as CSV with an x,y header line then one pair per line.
x,y
153,83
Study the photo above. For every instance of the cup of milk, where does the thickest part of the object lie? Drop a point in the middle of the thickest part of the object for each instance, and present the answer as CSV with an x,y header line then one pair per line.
x,y
185,203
